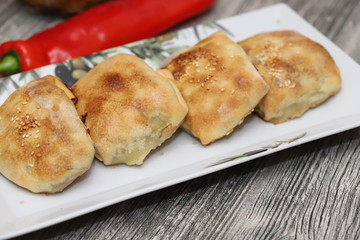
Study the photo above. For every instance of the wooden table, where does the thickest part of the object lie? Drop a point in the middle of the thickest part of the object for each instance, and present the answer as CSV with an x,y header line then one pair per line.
x,y
311,191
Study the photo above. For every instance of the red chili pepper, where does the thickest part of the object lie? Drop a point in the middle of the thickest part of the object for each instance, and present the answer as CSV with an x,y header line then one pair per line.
x,y
107,25
20,55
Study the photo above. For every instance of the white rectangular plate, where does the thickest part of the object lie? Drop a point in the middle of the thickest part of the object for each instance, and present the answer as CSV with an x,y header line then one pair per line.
x,y
181,158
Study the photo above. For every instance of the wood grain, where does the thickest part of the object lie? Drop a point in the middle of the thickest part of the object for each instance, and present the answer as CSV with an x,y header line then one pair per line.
x,y
307,192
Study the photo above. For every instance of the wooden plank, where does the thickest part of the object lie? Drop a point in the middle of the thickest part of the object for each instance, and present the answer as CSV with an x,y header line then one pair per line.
x,y
19,22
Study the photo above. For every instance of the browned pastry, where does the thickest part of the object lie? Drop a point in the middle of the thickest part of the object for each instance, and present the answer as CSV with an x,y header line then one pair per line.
x,y
129,109
300,72
44,145
219,84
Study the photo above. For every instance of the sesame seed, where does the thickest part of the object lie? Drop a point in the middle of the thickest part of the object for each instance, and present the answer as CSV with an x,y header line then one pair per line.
x,y
286,83
24,103
32,153
37,145
222,89
24,123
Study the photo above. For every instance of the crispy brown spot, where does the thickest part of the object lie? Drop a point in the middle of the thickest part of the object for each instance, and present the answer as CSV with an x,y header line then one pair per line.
x,y
95,106
55,107
196,59
113,82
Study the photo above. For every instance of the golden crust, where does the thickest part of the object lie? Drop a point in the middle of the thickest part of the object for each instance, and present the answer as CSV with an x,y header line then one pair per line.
x,y
44,145
219,84
129,109
300,72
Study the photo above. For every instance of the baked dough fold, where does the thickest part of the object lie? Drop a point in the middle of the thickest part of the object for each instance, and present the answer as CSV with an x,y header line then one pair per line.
x,y
44,145
129,109
219,84
300,72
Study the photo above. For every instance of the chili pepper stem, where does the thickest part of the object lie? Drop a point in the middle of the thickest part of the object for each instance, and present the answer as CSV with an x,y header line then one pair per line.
x,y
9,65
